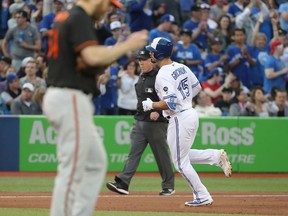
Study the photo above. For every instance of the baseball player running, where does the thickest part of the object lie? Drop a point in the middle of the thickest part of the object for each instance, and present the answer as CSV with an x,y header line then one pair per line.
x,y
149,127
176,85
75,58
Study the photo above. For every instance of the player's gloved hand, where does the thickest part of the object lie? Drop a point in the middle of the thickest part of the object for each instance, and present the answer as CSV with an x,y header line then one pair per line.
x,y
147,104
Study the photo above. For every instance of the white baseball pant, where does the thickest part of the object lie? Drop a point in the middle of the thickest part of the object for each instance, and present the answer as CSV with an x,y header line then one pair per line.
x,y
181,133
81,154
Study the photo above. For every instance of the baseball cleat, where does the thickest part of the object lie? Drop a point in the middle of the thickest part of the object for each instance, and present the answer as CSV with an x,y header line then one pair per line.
x,y
167,192
197,203
118,188
225,164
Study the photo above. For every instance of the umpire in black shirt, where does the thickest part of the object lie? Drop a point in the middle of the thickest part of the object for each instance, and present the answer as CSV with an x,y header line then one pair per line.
x,y
149,127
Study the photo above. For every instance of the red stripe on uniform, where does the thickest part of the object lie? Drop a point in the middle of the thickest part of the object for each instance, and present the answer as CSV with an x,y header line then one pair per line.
x,y
76,124
85,44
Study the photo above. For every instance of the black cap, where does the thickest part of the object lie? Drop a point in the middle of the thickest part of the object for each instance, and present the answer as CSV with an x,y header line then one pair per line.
x,y
143,54
23,13
186,31
227,89
216,41
6,60
282,31
196,7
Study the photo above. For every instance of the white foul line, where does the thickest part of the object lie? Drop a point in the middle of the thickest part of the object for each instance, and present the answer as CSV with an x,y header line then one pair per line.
x,y
154,196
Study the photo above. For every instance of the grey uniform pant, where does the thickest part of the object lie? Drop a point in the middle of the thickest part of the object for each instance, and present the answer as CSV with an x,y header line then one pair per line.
x,y
154,133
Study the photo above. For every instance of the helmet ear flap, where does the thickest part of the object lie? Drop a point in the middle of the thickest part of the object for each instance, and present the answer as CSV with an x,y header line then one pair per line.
x,y
159,56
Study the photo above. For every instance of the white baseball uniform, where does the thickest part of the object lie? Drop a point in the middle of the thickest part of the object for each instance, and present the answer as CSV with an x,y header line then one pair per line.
x,y
177,85
81,154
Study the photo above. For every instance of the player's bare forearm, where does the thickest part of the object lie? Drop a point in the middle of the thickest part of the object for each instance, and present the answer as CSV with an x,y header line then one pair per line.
x,y
160,105
103,55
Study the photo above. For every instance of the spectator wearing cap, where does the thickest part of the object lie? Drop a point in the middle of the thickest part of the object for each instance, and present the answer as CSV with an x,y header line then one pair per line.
x,y
205,10
13,90
215,59
30,71
140,15
24,105
163,28
240,57
188,53
25,40
47,21
4,65
213,87
21,72
117,37
275,70
161,7
199,28
225,102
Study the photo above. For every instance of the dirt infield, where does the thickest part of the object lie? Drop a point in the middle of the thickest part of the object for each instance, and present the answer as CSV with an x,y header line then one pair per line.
x,y
225,203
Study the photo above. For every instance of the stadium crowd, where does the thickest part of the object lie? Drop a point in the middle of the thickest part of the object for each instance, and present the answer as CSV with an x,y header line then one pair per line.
x,y
237,49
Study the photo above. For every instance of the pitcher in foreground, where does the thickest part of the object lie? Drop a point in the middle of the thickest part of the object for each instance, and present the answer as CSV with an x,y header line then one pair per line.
x,y
75,59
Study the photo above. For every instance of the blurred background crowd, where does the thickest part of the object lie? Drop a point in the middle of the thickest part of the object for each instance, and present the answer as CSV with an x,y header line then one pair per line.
x,y
237,49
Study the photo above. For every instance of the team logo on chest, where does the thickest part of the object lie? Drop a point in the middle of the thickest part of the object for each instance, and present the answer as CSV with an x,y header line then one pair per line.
x,y
165,89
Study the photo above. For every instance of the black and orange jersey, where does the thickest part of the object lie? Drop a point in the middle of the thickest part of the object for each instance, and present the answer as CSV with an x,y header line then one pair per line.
x,y
72,31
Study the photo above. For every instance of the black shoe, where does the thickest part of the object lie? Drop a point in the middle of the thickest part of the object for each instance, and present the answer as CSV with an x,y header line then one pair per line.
x,y
167,192
118,186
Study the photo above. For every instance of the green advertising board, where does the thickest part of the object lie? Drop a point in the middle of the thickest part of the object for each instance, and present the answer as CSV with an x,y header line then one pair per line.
x,y
253,144
38,144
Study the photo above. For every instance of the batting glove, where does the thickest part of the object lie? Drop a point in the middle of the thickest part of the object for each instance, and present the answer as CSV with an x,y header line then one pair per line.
x,y
147,104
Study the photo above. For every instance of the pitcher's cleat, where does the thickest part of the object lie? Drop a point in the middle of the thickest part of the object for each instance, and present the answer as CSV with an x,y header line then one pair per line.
x,y
197,203
224,163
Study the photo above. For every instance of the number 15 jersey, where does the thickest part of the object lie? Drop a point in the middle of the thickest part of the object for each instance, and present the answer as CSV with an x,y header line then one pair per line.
x,y
174,84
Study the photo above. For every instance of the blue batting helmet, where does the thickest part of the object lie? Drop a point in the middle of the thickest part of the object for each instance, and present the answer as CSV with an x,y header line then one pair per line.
x,y
161,47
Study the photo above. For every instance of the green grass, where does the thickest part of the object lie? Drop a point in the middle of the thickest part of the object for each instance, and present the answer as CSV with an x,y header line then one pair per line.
x,y
138,184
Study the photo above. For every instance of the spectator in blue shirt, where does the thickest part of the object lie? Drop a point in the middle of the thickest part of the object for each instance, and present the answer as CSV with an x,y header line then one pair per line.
x,y
108,101
215,58
47,22
189,53
200,29
117,36
186,7
283,10
163,28
240,57
275,70
235,9
140,15
260,53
